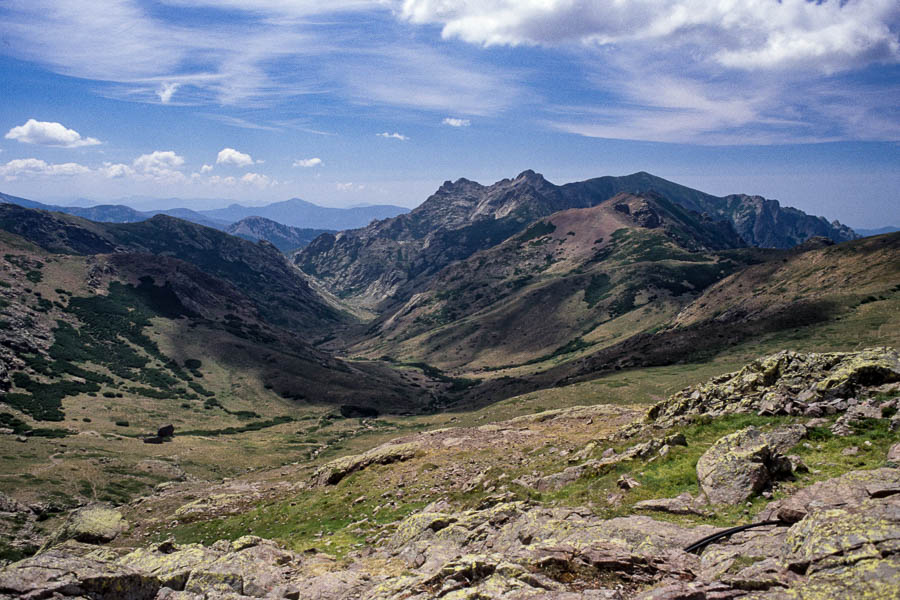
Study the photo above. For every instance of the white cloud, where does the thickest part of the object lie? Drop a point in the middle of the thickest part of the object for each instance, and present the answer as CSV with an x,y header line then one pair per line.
x,y
47,133
166,92
453,122
33,167
116,170
393,136
206,168
828,35
307,162
257,179
344,187
161,164
230,156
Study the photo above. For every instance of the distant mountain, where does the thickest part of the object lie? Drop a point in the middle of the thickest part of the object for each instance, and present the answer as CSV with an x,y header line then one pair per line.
x,y
283,237
879,231
389,261
115,213
294,212
299,213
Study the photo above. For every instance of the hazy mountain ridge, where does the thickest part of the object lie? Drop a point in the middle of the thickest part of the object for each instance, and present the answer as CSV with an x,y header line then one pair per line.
x,y
294,213
300,213
283,237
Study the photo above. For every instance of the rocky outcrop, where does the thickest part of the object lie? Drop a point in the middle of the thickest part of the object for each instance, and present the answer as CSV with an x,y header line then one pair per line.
x,y
95,524
794,383
332,472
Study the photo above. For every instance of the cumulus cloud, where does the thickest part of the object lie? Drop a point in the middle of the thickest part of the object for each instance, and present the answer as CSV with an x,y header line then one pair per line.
x,y
206,168
257,179
32,167
116,170
393,136
230,156
756,34
48,133
452,122
307,162
166,92
161,164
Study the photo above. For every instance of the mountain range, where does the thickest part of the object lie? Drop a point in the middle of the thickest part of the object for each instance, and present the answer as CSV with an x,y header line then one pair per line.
x,y
387,261
294,212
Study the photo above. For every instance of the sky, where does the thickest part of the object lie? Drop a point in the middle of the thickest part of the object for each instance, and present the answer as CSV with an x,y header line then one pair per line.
x,y
201,103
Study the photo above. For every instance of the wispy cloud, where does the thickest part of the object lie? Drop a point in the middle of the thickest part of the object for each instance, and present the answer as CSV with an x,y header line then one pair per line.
x,y
393,136
166,92
46,133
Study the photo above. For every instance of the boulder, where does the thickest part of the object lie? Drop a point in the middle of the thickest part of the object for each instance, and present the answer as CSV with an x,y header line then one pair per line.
x,y
744,463
94,524
72,570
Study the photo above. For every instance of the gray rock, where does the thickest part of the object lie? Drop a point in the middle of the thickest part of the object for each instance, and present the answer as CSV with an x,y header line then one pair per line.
x,y
744,463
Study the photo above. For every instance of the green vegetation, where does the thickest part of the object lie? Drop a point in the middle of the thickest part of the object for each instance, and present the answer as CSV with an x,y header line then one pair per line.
x,y
110,335
598,289
539,229
254,426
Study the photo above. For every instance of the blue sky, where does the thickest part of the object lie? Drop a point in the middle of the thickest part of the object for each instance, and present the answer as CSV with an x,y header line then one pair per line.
x,y
379,101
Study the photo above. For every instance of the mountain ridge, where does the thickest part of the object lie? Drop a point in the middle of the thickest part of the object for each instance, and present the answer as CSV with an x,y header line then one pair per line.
x,y
388,261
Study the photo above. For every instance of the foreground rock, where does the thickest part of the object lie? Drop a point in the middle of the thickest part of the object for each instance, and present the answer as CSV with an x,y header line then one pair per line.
x,y
746,462
843,544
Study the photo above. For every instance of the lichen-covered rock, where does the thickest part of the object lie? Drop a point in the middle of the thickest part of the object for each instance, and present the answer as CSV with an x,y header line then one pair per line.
x,y
850,489
836,538
332,472
69,570
94,524
744,463
250,566
785,383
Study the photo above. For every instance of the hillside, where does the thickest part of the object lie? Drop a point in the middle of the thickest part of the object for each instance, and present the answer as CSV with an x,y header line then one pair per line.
x,y
98,351
259,270
577,279
389,261
283,237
